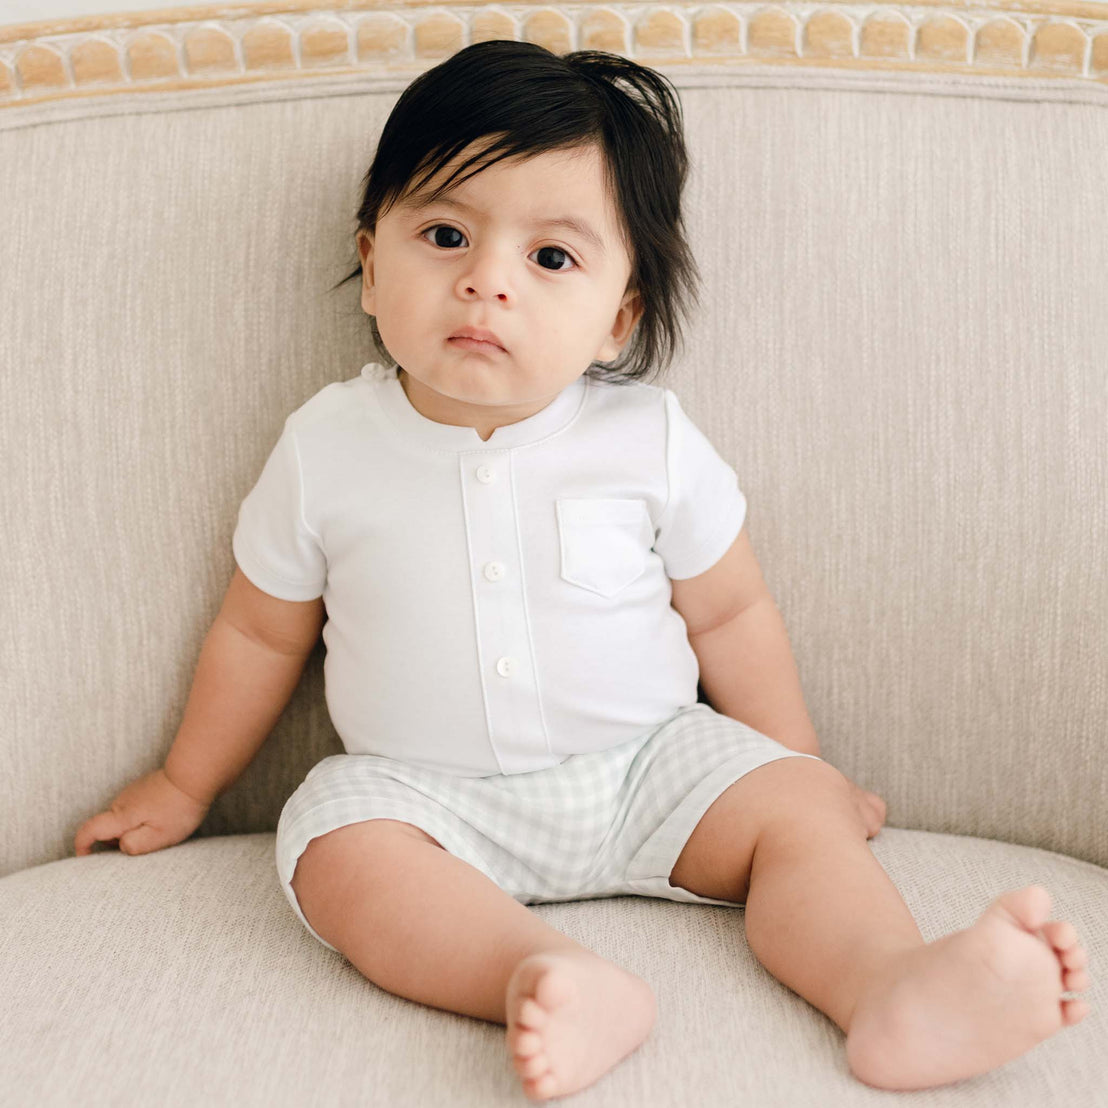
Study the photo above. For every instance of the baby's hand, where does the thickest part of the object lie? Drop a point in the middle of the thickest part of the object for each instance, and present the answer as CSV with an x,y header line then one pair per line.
x,y
871,808
148,814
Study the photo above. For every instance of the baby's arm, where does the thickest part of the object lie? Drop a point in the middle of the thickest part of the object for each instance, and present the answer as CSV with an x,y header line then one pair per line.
x,y
747,667
249,665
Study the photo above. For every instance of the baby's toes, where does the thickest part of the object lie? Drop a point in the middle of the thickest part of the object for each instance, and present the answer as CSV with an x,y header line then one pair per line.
x,y
532,1015
1074,977
532,1067
1073,1011
527,1044
541,1088
1075,958
1075,981
1062,936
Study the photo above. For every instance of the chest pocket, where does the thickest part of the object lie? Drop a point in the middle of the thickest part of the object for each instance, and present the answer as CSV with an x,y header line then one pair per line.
x,y
604,542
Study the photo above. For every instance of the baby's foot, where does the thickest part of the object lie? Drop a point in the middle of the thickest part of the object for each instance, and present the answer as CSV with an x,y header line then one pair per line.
x,y
571,1017
971,1001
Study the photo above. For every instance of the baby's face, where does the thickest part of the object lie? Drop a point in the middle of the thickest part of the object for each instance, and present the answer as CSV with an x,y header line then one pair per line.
x,y
481,257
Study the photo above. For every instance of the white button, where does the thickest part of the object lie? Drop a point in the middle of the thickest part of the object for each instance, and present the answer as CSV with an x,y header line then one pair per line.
x,y
505,667
494,571
485,475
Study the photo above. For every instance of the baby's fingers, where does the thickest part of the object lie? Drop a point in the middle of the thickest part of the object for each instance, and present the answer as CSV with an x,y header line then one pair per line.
x,y
144,839
101,828
871,809
879,808
133,839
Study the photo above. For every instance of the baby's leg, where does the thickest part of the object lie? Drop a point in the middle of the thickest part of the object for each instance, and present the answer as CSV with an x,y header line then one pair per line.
x,y
824,918
423,924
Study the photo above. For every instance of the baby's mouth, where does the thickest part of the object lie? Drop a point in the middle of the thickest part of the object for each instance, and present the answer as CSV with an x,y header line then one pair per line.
x,y
478,345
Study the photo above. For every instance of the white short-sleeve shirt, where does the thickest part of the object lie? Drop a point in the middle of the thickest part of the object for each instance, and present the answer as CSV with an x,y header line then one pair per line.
x,y
492,607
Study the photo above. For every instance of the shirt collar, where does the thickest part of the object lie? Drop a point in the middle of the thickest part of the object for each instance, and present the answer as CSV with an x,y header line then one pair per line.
x,y
559,413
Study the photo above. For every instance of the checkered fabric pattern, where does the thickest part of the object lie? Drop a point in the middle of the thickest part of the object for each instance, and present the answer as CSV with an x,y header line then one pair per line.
x,y
607,823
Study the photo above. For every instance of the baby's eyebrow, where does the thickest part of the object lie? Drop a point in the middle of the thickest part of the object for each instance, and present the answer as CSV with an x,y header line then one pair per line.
x,y
571,223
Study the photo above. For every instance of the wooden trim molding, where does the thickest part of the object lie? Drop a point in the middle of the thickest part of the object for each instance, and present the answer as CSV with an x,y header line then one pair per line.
x,y
201,47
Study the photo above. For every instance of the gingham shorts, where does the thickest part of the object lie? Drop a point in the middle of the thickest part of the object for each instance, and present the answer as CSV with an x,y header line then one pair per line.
x,y
608,823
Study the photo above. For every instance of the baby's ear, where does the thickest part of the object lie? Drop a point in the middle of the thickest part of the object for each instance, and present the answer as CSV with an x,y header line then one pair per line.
x,y
633,299
628,316
365,251
364,241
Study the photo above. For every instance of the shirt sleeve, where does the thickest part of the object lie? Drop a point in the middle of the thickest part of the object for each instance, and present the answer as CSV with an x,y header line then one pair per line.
x,y
273,543
705,509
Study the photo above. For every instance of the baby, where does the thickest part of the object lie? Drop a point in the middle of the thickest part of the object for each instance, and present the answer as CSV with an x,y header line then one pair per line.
x,y
523,558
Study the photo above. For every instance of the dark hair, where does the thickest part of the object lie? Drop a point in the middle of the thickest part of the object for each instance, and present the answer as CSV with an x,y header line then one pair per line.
x,y
532,101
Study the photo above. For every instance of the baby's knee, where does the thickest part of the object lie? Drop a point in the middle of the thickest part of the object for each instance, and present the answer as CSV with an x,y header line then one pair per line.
x,y
810,791
332,866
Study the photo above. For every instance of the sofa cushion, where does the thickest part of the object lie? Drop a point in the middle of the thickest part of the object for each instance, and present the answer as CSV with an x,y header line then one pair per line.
x,y
183,977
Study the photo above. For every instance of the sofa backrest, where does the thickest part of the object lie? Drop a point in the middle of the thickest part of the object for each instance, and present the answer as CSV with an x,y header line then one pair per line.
x,y
902,348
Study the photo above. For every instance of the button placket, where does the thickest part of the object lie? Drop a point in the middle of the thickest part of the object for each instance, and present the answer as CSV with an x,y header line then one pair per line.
x,y
516,729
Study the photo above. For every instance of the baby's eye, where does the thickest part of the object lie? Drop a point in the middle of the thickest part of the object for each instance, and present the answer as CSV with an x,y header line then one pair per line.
x,y
444,238
449,231
558,254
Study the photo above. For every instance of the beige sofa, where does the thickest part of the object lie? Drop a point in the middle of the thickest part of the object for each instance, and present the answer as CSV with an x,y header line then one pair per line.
x,y
900,217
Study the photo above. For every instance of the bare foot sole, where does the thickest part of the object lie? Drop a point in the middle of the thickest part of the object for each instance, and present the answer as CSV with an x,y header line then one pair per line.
x,y
571,1018
971,1001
